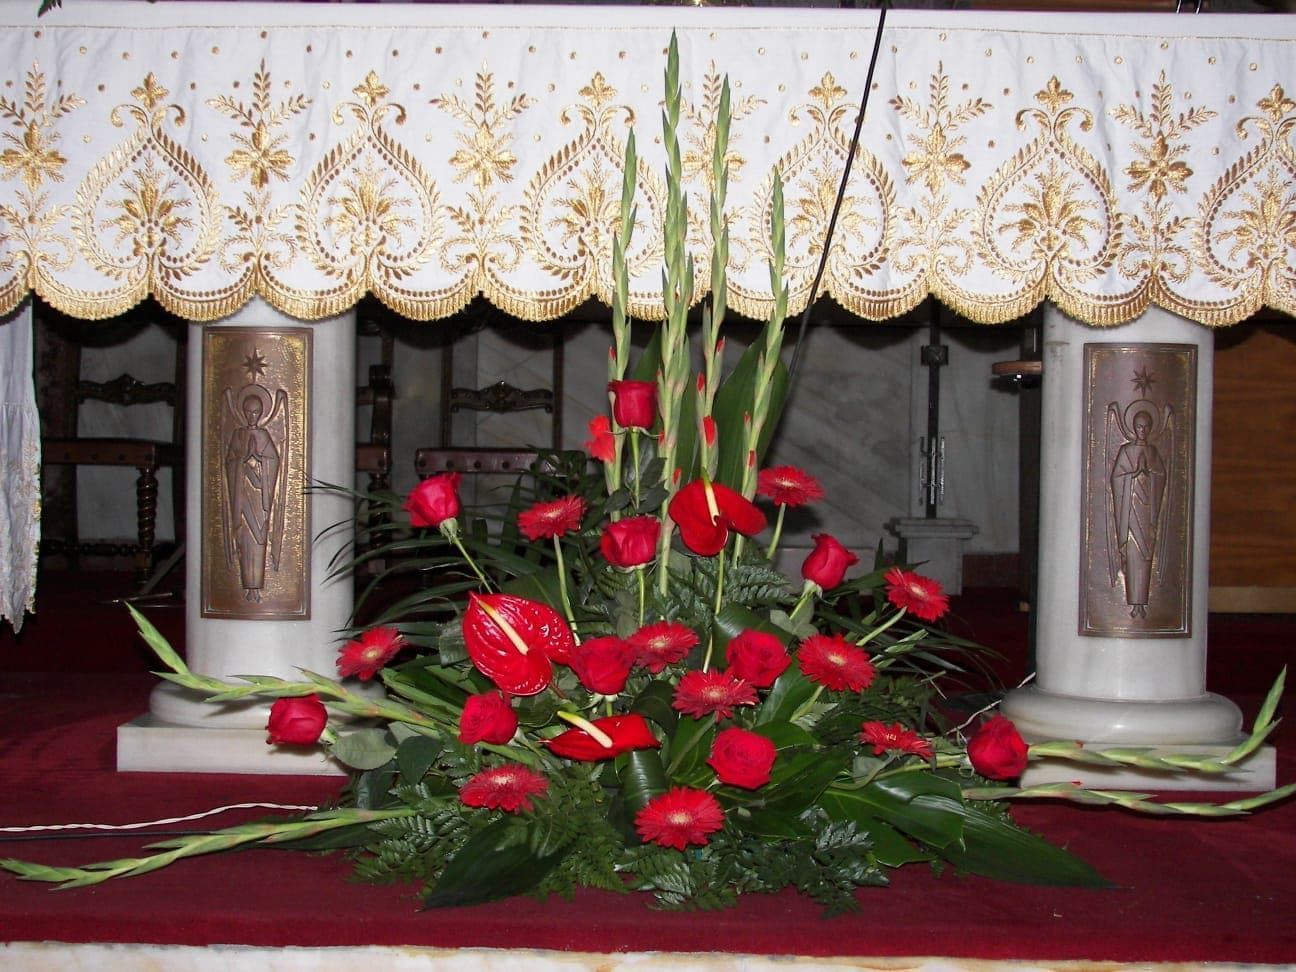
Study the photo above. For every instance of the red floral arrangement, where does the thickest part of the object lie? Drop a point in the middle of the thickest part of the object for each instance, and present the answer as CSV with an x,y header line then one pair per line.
x,y
619,690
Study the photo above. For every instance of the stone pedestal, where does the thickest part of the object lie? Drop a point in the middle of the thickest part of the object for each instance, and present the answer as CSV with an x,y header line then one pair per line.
x,y
229,634
935,547
1124,549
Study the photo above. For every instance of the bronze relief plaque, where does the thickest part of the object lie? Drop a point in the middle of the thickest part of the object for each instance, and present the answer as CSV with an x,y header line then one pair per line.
x,y
1136,523
255,468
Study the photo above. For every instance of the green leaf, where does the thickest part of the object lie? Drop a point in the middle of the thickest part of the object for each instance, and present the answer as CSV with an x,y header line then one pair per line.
x,y
734,399
889,846
994,847
920,804
415,756
496,862
654,703
642,778
788,693
689,746
795,784
364,749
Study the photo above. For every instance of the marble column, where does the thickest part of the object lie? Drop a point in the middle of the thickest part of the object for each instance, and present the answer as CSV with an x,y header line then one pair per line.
x,y
242,633
1124,552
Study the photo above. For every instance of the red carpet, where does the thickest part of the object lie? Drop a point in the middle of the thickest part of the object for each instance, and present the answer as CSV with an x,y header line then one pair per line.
x,y
1186,890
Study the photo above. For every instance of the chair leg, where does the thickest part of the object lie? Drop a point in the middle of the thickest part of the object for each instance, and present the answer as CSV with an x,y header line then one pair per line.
x,y
146,494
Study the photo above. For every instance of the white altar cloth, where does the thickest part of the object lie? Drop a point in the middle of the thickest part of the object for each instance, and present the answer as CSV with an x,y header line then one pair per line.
x,y
308,154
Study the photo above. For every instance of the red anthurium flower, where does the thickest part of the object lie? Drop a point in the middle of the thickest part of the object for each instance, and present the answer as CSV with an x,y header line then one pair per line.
x,y
833,662
894,738
487,717
602,443
699,694
514,641
603,664
662,643
827,563
705,513
679,817
788,486
509,787
544,521
364,656
920,596
620,735
997,750
634,403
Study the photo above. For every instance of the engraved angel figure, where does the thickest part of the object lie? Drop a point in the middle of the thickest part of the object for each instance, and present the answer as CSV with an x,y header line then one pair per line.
x,y
256,434
1136,501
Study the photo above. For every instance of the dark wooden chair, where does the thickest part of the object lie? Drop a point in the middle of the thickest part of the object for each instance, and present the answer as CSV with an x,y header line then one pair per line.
x,y
146,456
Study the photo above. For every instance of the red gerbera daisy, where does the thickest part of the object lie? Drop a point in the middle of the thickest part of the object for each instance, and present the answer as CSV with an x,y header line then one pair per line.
x,y
700,694
788,486
679,817
920,596
602,443
894,738
835,663
367,654
548,520
662,643
509,787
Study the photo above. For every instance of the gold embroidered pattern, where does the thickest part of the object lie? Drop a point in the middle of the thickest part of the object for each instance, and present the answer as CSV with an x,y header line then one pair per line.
x,y
1247,231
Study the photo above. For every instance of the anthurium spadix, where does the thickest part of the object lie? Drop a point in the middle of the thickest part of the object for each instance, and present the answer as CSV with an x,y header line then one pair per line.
x,y
514,641
705,512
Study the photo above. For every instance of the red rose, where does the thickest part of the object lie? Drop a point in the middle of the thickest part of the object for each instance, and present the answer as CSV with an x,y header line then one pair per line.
x,y
705,513
603,664
487,717
297,721
997,750
630,542
602,443
625,733
634,403
434,500
757,657
742,758
513,641
827,563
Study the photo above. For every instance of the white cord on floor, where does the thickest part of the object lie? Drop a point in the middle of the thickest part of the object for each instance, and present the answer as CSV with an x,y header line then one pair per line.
x,y
153,823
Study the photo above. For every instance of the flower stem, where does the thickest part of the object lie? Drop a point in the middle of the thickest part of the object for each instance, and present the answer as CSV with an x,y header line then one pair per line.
x,y
634,459
805,601
639,573
807,705
463,552
562,584
778,532
880,628
719,599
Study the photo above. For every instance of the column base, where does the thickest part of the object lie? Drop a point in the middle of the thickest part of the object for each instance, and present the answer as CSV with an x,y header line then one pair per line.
x,y
150,745
936,544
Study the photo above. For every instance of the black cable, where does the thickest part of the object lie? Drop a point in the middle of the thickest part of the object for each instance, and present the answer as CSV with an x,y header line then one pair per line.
x,y
841,194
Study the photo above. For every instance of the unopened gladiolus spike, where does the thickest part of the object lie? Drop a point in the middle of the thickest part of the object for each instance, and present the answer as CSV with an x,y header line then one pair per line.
x,y
580,722
510,632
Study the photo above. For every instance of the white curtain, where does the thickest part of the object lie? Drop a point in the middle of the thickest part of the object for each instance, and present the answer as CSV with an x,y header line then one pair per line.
x,y
20,466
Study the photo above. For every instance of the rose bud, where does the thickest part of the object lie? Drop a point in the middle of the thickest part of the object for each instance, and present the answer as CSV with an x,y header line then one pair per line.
x,y
630,542
742,758
488,718
997,750
634,403
297,721
434,500
757,657
826,565
603,664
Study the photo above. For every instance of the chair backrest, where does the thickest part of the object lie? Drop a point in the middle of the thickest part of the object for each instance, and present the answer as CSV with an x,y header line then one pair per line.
x,y
127,390
479,462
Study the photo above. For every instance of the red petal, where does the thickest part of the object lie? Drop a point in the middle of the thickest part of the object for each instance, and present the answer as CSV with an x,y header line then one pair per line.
x,y
741,513
539,626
